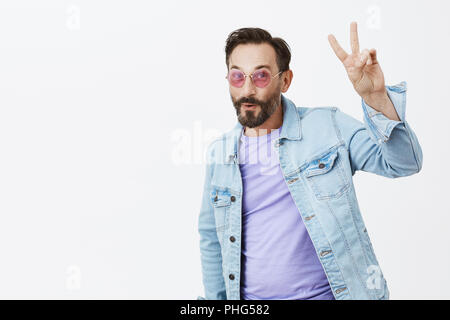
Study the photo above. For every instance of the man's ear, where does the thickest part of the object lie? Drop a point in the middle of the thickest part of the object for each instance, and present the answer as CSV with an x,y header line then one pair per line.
x,y
287,79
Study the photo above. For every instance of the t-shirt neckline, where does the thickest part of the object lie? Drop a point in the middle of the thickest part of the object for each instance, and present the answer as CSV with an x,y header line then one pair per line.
x,y
270,134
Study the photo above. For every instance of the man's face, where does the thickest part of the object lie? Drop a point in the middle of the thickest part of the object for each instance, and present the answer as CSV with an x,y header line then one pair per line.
x,y
255,105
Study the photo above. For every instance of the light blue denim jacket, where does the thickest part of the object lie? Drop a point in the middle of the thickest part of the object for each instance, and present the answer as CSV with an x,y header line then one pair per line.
x,y
320,149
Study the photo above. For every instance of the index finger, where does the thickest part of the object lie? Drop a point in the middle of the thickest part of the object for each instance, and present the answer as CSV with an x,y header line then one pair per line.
x,y
340,53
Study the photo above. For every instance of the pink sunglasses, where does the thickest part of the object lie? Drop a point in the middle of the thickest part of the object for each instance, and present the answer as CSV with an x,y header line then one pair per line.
x,y
261,77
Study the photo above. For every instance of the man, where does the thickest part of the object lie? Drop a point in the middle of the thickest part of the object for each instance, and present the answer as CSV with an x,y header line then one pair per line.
x,y
284,222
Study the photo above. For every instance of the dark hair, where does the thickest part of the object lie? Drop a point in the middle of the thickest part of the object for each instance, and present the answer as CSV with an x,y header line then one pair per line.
x,y
257,36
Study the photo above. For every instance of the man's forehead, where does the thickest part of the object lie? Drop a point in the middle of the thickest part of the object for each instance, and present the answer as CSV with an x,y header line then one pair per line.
x,y
253,56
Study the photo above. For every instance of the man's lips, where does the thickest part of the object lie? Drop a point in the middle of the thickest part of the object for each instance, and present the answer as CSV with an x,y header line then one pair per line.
x,y
249,106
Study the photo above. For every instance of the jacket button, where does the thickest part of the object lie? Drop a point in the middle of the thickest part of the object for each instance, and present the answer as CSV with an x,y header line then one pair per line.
x,y
231,276
233,198
321,165
232,239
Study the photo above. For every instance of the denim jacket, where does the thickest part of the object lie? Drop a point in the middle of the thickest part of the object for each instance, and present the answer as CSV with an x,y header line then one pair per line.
x,y
320,149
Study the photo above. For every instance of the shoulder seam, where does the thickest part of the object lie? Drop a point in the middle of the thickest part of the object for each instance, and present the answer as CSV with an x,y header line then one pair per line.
x,y
311,109
336,126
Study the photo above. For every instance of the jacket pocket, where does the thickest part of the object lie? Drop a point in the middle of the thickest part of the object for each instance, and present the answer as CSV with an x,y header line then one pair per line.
x,y
325,175
221,202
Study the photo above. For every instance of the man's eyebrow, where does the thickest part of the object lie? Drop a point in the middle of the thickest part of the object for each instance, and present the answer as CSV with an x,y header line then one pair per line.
x,y
256,68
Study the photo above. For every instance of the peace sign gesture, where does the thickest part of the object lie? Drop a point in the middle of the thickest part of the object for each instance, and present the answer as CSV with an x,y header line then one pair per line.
x,y
362,67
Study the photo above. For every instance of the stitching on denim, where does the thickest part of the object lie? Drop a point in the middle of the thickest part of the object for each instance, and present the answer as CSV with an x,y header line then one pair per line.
x,y
230,190
347,146
345,243
415,152
374,126
336,128
334,260
366,258
352,211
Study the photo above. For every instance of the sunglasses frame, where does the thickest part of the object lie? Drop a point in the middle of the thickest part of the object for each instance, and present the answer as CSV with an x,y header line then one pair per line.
x,y
251,77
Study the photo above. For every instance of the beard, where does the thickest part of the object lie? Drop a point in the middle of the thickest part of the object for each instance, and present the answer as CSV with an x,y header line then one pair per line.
x,y
267,108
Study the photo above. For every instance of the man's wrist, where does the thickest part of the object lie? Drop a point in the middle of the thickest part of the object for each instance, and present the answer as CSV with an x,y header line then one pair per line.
x,y
381,102
378,100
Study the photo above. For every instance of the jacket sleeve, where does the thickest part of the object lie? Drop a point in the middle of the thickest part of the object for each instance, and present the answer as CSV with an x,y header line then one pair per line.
x,y
210,249
380,145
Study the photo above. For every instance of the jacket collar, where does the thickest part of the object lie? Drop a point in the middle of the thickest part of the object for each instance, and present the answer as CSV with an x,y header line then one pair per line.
x,y
291,129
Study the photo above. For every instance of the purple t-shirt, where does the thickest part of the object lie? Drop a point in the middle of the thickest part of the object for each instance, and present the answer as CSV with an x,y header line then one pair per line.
x,y
278,257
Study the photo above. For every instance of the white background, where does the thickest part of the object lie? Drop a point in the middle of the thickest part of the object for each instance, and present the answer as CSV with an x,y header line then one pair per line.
x,y
106,108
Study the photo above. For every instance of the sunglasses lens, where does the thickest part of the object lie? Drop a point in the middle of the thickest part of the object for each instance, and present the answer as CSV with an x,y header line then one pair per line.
x,y
236,78
261,78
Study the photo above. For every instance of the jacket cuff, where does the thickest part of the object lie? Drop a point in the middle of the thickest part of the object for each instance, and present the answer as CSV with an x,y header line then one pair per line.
x,y
379,126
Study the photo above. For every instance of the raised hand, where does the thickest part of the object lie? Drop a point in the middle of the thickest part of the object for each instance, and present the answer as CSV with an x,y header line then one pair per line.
x,y
362,67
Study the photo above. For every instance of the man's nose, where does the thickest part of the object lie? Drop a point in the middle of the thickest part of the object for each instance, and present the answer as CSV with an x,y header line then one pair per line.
x,y
248,87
